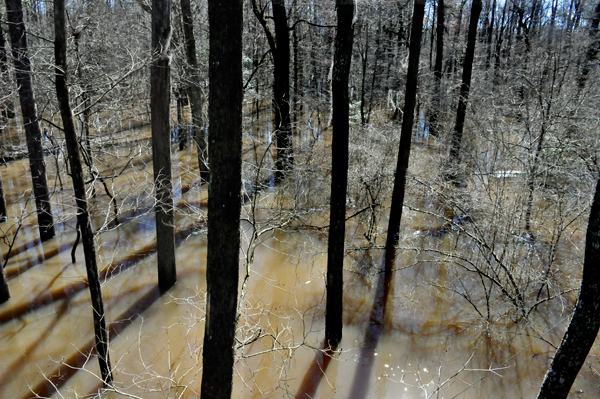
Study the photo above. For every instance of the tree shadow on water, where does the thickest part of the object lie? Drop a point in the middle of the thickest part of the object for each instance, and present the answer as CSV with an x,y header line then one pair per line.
x,y
360,382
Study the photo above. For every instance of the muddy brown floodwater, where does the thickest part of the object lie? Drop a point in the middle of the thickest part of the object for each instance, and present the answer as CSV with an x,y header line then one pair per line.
x,y
425,346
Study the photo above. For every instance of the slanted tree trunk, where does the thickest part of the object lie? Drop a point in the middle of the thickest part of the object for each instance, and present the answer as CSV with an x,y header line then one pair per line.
x,y
434,128
405,137
30,121
194,90
160,96
339,170
464,88
224,195
83,220
280,49
582,330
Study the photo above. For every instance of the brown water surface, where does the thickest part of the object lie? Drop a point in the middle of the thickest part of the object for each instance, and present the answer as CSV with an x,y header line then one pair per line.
x,y
428,344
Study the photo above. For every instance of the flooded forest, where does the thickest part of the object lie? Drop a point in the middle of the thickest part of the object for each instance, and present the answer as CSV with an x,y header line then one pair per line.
x,y
457,274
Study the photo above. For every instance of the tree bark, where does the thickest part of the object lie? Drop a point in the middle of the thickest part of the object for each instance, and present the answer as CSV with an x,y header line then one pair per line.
x,y
30,120
339,171
465,86
490,35
3,213
160,95
585,323
224,204
298,76
592,52
4,293
405,138
8,108
434,128
181,134
62,92
194,90
363,88
280,49
281,90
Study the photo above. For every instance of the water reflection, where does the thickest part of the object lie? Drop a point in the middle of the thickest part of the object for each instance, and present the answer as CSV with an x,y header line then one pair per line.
x,y
426,339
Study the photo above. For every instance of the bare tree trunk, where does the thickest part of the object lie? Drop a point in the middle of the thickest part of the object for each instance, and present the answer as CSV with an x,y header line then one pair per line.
x,y
339,171
281,90
465,87
298,76
453,61
499,41
490,35
224,204
160,95
181,134
194,90
434,128
7,107
375,72
280,49
4,293
405,139
30,121
363,88
62,92
592,52
582,330
3,213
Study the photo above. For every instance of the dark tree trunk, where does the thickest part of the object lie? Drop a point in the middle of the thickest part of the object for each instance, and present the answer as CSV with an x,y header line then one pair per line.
x,y
339,170
194,90
375,72
363,88
62,92
4,293
7,108
160,95
585,323
224,204
85,98
453,61
499,41
405,138
465,86
3,213
298,76
434,128
181,134
280,49
431,37
281,90
490,35
533,168
592,52
30,121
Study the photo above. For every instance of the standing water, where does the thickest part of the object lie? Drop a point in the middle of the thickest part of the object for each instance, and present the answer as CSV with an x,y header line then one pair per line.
x,y
428,344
